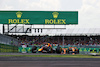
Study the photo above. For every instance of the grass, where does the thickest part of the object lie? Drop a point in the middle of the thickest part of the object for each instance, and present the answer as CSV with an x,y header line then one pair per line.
x,y
68,56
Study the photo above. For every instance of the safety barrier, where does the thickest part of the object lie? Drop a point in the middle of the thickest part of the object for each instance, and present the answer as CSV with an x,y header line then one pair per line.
x,y
89,50
4,39
81,50
8,48
28,49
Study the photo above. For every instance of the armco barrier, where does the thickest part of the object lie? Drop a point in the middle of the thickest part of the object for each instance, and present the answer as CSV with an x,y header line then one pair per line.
x,y
28,49
8,48
82,50
88,50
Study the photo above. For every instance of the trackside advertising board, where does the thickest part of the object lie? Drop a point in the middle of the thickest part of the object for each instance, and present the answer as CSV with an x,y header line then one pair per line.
x,y
39,17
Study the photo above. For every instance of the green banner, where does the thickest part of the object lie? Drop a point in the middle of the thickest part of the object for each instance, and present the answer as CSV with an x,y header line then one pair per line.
x,y
39,17
8,48
90,50
28,49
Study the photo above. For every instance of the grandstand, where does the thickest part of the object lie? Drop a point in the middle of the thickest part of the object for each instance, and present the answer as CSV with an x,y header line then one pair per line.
x,y
68,40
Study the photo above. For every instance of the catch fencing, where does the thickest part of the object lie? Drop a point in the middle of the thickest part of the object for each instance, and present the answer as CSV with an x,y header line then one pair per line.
x,y
8,44
8,40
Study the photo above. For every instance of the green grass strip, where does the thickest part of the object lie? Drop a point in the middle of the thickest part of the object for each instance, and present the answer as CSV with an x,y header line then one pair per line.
x,y
68,56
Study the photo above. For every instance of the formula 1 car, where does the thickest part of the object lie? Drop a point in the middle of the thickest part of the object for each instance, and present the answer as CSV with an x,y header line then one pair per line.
x,y
34,49
46,49
58,50
71,50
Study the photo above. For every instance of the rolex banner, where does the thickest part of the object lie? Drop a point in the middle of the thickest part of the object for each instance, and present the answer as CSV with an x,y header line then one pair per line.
x,y
39,17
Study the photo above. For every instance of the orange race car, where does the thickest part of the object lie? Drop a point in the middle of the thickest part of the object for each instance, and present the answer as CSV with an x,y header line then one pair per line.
x,y
71,50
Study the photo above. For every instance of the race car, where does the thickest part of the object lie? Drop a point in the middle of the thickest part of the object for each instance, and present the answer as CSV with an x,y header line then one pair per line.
x,y
34,49
47,48
71,50
58,49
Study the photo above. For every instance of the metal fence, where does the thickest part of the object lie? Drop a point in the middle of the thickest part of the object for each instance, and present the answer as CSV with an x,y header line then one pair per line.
x,y
8,40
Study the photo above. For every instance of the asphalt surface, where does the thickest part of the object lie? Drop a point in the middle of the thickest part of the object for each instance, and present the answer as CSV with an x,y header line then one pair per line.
x,y
49,64
29,54
47,61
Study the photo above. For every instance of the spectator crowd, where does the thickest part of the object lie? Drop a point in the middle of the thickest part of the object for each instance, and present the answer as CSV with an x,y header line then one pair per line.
x,y
66,40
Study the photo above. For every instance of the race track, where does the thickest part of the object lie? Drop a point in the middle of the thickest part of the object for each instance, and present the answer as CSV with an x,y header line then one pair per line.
x,y
48,62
